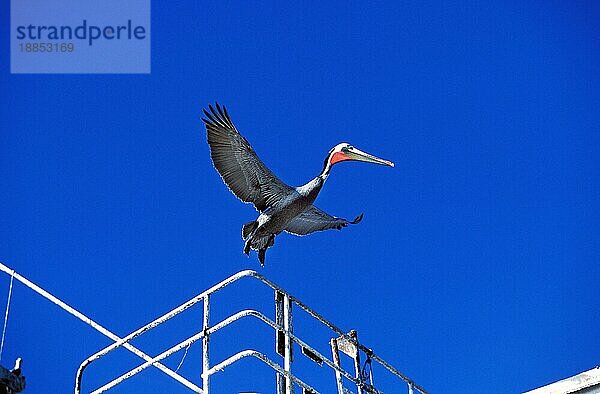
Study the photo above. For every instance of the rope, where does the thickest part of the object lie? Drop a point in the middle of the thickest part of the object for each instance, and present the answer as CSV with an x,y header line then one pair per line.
x,y
184,356
12,276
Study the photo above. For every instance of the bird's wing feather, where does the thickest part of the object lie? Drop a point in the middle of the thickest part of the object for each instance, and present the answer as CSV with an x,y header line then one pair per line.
x,y
238,164
313,219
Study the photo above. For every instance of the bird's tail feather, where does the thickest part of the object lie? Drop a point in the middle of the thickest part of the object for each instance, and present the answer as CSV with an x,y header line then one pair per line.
x,y
248,228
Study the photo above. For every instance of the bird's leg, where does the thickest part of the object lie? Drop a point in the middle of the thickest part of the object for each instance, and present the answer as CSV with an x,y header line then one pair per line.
x,y
261,256
247,247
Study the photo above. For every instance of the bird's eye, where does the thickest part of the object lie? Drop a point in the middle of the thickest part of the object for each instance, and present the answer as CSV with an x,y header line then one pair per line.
x,y
350,147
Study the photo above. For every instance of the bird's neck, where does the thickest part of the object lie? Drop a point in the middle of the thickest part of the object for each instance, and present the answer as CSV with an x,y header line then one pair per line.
x,y
322,177
311,189
326,167
315,185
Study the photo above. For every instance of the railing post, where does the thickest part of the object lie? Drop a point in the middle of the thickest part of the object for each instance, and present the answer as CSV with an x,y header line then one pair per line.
x,y
279,339
288,357
350,347
335,353
356,356
205,346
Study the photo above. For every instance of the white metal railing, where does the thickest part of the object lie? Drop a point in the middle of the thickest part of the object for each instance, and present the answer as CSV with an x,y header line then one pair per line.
x,y
347,343
284,305
102,330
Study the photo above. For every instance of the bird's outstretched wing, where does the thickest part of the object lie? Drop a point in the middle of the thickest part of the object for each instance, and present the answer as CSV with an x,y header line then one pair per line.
x,y
313,219
238,164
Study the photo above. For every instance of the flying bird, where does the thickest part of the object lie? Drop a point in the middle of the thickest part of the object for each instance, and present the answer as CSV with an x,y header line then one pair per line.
x,y
281,207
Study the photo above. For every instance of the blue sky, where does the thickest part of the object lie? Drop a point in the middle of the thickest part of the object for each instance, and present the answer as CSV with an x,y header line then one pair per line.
x,y
475,268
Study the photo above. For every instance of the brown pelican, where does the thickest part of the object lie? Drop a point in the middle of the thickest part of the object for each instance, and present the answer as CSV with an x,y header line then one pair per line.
x,y
281,207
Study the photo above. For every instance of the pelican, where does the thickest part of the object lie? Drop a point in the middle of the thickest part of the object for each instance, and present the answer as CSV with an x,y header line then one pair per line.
x,y
281,207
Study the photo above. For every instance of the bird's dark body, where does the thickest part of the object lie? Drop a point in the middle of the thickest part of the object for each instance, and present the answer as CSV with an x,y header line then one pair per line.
x,y
274,220
281,207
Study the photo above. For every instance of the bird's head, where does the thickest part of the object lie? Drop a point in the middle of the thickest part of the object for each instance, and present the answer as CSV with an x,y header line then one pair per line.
x,y
344,151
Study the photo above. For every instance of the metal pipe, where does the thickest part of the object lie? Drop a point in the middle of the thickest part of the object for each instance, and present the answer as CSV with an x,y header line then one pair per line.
x,y
287,359
253,353
92,324
124,341
205,344
336,360
289,336
148,363
393,370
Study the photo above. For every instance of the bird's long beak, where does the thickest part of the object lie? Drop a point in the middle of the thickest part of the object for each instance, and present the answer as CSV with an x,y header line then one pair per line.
x,y
357,154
